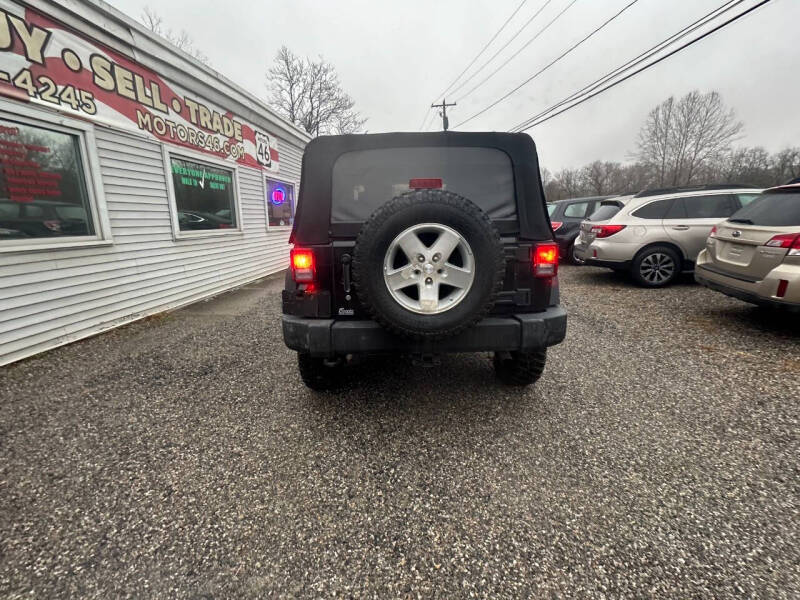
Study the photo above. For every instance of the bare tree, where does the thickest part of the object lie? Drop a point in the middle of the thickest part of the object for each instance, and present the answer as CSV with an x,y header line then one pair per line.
x,y
601,177
748,166
182,41
744,165
654,138
681,139
632,178
552,189
308,94
786,165
571,182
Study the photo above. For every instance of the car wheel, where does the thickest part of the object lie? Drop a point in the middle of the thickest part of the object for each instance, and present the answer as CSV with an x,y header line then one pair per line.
x,y
656,266
320,374
572,257
428,264
520,368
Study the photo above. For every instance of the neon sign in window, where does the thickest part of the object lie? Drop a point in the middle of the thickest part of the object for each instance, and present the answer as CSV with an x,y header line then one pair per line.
x,y
280,203
278,196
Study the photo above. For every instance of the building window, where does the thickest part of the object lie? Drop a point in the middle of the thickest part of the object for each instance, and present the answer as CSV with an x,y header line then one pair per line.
x,y
43,185
280,203
204,195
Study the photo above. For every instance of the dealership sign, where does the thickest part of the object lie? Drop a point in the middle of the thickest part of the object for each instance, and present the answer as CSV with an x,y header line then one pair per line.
x,y
44,62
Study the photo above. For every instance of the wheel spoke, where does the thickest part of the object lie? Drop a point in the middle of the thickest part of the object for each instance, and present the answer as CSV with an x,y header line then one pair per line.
x,y
400,278
428,296
444,245
411,245
456,276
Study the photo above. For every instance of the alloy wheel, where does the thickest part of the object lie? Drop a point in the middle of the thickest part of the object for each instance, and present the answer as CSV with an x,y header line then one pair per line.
x,y
657,268
429,268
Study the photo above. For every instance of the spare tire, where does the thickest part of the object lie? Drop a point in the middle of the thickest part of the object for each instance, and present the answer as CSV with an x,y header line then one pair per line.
x,y
428,264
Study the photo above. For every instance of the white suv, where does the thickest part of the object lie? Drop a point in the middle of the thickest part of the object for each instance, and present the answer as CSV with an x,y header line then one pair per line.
x,y
659,233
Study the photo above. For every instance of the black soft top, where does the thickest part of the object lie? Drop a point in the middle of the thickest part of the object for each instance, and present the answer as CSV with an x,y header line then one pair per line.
x,y
313,216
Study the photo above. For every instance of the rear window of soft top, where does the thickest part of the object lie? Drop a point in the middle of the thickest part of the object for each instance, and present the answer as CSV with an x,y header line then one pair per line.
x,y
364,180
771,209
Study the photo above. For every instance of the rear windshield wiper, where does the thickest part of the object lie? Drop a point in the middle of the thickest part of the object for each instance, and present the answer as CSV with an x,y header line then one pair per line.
x,y
744,221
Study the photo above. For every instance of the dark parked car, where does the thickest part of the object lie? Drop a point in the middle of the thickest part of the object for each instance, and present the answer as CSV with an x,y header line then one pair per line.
x,y
566,217
194,220
422,244
42,218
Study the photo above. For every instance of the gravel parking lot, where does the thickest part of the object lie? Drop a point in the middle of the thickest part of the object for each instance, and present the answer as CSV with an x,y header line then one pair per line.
x,y
182,457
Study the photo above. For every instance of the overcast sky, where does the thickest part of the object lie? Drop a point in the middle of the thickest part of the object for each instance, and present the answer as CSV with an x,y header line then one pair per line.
x,y
393,57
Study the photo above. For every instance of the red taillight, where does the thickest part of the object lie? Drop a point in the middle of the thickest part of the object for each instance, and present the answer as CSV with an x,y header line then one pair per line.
x,y
604,231
713,232
425,184
302,261
545,259
786,240
556,224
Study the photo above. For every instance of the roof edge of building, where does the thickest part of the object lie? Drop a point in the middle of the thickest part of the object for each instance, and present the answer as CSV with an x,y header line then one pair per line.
x,y
123,34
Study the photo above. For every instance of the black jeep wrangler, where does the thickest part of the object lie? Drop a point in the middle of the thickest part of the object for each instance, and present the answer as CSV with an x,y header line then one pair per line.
x,y
422,244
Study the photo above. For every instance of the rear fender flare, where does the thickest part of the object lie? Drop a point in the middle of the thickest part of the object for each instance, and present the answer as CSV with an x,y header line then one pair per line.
x,y
672,245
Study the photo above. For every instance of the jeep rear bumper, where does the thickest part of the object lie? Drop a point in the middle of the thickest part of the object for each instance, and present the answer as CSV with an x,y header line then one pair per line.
x,y
331,337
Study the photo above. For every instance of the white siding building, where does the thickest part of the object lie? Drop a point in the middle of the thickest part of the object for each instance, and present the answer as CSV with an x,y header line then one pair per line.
x,y
134,179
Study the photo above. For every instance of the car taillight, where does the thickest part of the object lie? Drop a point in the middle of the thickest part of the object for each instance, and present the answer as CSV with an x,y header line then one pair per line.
x,y
786,240
556,224
604,231
713,232
302,261
545,259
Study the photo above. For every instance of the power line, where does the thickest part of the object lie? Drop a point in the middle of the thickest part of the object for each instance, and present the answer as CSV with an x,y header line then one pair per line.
x,y
647,66
503,47
554,61
529,42
429,119
477,56
489,43
425,119
637,59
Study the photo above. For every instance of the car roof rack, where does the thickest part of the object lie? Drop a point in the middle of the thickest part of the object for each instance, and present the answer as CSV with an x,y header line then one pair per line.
x,y
691,188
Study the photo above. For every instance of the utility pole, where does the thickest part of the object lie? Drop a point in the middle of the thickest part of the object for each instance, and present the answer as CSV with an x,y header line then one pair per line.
x,y
443,106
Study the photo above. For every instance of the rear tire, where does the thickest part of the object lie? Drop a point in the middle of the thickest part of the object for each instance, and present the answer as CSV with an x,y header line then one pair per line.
x,y
656,267
520,368
318,374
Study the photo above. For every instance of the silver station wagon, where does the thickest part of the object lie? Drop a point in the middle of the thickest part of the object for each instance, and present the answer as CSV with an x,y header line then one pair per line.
x,y
659,233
